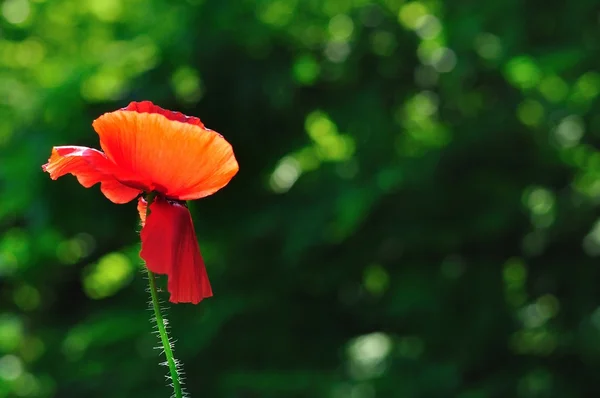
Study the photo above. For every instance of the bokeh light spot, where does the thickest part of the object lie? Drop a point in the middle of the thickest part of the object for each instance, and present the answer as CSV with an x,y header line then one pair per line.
x,y
106,84
337,51
488,46
27,297
308,159
285,175
29,53
106,10
11,367
105,278
540,200
428,27
16,11
588,85
523,72
187,85
306,69
515,272
443,59
569,131
376,279
276,12
553,88
11,332
340,27
410,14
367,354
530,113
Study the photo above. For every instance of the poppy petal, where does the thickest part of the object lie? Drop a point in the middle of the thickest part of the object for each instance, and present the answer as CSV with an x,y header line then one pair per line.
x,y
169,246
149,107
90,167
117,192
181,160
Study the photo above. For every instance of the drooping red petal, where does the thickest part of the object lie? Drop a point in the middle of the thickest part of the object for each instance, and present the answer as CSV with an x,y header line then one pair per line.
x,y
169,247
90,167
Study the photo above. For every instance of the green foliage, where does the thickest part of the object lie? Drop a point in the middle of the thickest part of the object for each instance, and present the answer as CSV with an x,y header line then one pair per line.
x,y
415,214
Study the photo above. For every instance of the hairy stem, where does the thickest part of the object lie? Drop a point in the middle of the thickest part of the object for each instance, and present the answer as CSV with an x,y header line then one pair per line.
x,y
164,337
161,324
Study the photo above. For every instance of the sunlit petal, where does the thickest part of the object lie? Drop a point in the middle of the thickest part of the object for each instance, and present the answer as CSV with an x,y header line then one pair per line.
x,y
179,159
90,167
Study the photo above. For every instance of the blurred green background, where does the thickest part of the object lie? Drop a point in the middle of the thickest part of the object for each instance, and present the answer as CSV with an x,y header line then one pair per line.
x,y
416,212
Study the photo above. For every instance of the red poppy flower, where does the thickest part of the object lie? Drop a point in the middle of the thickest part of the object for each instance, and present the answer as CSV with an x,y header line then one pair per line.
x,y
150,149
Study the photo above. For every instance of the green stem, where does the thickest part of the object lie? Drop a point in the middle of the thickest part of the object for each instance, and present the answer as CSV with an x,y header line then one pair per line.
x,y
164,337
160,321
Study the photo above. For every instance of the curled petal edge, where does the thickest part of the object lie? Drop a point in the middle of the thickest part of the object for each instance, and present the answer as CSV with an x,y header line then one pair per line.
x,y
90,167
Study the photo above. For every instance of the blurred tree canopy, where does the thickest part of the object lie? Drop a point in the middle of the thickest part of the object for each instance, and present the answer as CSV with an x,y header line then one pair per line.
x,y
416,213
